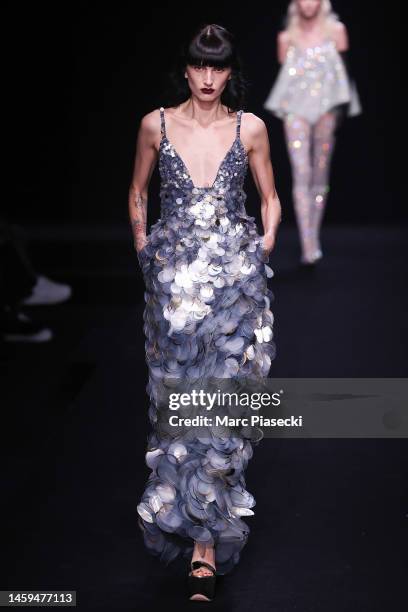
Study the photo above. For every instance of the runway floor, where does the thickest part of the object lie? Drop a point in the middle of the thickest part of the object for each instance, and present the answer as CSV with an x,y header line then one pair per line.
x,y
331,516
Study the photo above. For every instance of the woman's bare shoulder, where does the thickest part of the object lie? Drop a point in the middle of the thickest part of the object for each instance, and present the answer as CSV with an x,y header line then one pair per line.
x,y
253,124
283,37
338,27
150,123
253,130
339,35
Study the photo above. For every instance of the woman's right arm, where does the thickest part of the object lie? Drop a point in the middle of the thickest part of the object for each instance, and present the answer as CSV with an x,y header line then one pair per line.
x,y
145,161
282,45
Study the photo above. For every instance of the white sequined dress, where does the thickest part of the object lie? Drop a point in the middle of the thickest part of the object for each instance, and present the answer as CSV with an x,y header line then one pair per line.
x,y
311,82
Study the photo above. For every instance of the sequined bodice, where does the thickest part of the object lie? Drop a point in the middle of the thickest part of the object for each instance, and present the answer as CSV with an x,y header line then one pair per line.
x,y
311,63
177,187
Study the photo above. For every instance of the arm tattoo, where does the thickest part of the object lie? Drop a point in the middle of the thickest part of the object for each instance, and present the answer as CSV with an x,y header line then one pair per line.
x,y
138,216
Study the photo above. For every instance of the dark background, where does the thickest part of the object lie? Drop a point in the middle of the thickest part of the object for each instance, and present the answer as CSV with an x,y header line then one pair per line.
x,y
83,74
331,516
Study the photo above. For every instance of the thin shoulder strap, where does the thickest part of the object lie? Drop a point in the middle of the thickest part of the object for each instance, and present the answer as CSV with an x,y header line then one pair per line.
x,y
162,122
239,115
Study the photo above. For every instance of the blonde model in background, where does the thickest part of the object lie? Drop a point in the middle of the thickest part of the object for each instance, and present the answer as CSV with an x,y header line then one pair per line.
x,y
313,90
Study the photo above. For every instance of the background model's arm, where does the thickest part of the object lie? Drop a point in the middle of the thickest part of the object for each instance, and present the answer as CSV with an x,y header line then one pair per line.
x,y
145,161
341,39
343,47
262,172
340,36
282,46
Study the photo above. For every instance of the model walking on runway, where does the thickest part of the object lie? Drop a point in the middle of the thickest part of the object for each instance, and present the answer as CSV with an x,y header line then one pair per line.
x,y
207,311
312,92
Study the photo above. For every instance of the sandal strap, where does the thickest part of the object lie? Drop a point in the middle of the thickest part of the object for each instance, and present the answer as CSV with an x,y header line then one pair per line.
x,y
196,564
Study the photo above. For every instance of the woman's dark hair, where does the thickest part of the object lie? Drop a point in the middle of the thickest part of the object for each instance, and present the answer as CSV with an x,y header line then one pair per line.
x,y
211,45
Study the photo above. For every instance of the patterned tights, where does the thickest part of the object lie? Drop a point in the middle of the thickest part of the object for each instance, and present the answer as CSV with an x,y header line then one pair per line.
x,y
310,150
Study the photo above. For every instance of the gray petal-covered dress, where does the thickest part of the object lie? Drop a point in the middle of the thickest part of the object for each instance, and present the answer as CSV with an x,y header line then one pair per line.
x,y
207,314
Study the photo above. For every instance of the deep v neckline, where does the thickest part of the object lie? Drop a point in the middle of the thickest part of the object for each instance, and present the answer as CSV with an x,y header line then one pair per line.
x,y
186,170
181,160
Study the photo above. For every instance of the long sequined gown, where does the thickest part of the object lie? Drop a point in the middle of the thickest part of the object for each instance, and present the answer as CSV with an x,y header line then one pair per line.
x,y
207,313
311,82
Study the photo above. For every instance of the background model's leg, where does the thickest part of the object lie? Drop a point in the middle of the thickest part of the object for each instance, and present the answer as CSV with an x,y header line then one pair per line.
x,y
323,141
298,140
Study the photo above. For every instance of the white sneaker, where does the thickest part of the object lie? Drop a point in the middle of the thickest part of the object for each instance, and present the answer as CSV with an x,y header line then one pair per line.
x,y
46,291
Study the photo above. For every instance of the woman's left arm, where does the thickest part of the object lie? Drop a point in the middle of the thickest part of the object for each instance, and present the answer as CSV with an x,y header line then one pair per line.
x,y
262,173
343,47
341,37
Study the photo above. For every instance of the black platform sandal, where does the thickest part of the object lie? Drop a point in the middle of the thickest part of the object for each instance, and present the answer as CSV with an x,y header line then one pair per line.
x,y
201,588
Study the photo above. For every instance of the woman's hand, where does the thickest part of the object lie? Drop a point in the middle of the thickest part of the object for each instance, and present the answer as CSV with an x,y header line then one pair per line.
x,y
267,243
